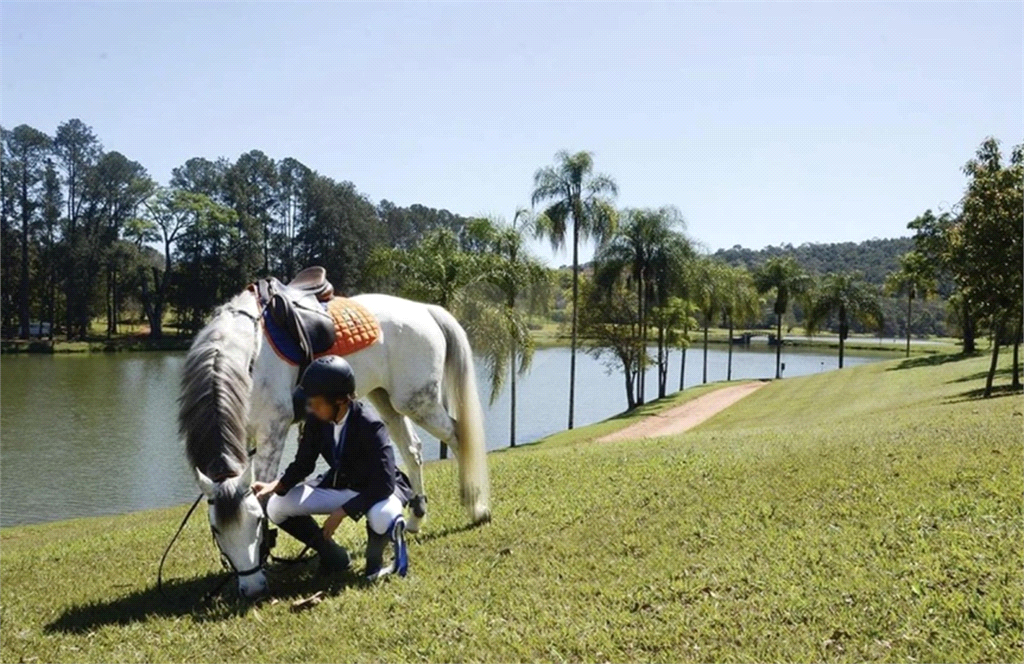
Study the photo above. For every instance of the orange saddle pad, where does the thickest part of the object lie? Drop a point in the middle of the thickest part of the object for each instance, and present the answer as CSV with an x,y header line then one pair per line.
x,y
355,326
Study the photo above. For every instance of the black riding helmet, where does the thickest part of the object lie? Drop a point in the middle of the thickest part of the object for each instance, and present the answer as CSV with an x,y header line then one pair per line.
x,y
330,377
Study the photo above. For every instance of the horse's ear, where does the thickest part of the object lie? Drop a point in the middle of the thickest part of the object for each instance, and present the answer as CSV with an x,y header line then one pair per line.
x,y
247,476
205,483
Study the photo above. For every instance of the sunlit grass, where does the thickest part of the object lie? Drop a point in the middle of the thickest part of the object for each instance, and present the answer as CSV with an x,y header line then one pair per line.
x,y
869,514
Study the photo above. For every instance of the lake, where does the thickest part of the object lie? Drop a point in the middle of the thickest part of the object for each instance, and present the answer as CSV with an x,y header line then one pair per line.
x,y
90,434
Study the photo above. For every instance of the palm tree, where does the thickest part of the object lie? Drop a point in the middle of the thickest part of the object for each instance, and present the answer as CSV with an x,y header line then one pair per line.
x,y
436,271
687,312
508,346
643,247
574,193
671,266
740,302
786,278
852,299
915,278
709,292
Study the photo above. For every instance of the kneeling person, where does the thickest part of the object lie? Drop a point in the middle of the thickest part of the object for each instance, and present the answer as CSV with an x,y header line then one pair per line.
x,y
363,478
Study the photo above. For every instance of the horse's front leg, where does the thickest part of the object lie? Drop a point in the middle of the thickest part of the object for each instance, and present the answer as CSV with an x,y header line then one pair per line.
x,y
271,412
269,424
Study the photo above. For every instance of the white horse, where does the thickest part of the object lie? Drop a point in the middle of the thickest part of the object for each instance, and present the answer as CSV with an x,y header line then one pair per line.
x,y
237,392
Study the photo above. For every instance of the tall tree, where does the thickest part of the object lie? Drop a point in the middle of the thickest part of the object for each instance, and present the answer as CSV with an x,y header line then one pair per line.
x,y
740,303
500,333
785,278
117,188
406,226
251,184
8,242
52,202
849,297
989,235
77,150
26,150
339,230
169,212
579,199
203,176
915,279
292,177
437,271
208,269
934,239
709,296
610,322
647,247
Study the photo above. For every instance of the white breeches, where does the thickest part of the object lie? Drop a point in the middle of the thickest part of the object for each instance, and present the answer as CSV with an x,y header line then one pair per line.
x,y
304,499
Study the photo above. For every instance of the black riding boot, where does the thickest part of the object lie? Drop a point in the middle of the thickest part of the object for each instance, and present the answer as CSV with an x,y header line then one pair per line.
x,y
377,544
333,556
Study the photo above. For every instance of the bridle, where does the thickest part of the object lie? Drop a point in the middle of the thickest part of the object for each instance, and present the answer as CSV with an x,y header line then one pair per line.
x,y
267,535
263,538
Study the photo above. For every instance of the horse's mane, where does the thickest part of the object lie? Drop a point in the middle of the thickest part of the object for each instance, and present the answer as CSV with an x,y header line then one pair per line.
x,y
214,402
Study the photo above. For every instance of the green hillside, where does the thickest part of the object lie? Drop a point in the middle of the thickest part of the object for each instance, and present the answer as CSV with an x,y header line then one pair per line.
x,y
869,514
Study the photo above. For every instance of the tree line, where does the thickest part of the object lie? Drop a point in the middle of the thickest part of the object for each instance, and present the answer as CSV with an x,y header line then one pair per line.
x,y
976,245
86,232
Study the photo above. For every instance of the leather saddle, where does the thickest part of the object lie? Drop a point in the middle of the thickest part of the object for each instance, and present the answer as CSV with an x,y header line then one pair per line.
x,y
312,281
297,307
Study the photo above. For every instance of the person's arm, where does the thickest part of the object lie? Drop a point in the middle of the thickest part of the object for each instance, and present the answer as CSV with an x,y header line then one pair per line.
x,y
305,459
381,480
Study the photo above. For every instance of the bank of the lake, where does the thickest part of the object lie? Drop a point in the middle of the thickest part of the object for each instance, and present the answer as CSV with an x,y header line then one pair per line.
x,y
547,335
119,344
871,514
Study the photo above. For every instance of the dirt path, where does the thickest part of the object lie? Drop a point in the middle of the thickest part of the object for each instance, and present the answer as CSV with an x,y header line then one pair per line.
x,y
685,416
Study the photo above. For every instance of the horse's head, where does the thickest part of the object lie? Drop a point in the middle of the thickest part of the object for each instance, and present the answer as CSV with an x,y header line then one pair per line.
x,y
216,384
237,522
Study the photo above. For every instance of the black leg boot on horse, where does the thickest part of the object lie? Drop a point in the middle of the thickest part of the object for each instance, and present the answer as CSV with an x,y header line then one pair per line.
x,y
333,556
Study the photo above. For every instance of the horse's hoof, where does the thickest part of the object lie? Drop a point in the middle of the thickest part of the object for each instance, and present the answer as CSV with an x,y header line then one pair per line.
x,y
413,524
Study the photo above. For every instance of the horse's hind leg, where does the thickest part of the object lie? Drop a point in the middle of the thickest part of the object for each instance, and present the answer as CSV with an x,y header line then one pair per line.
x,y
411,449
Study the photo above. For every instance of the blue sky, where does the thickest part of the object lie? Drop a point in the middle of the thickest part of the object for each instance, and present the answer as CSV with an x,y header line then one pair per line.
x,y
763,122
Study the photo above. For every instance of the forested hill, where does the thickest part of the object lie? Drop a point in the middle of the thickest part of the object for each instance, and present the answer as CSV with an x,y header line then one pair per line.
x,y
875,258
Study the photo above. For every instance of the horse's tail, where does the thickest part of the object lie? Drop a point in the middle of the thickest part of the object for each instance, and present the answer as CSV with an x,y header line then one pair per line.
x,y
460,389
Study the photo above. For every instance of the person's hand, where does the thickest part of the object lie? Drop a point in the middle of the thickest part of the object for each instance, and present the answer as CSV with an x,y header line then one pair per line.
x,y
331,524
263,489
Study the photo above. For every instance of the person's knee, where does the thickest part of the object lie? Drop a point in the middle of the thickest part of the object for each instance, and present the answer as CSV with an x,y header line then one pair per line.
x,y
278,509
383,514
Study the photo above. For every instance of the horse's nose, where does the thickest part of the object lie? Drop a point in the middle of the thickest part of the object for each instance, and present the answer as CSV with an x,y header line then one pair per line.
x,y
253,586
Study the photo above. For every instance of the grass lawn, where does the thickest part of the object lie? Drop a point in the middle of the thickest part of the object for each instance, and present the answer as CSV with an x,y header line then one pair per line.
x,y
870,514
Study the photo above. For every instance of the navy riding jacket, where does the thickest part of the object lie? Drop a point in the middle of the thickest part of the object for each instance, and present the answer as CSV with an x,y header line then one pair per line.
x,y
367,464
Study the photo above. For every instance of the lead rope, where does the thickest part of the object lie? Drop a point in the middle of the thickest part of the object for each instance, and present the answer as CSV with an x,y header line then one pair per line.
x,y
160,572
